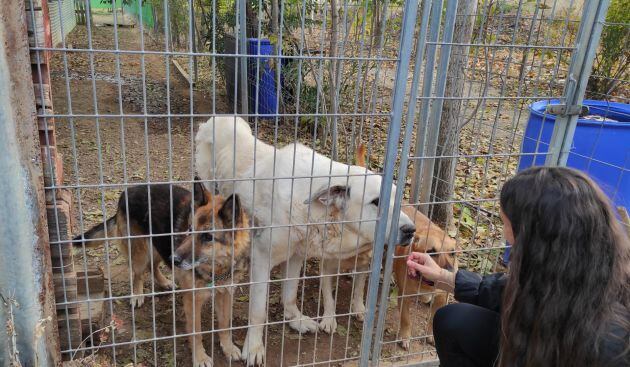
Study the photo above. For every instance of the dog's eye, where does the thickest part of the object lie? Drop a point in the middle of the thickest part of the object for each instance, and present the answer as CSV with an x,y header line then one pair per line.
x,y
206,237
375,202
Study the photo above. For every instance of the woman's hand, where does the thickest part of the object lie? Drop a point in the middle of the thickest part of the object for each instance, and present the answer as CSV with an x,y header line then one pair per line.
x,y
421,264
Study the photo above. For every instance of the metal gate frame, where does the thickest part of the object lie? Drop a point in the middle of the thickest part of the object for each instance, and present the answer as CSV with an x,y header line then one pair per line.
x,y
586,43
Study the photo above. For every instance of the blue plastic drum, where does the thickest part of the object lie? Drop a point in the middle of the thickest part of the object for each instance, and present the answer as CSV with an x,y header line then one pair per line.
x,y
261,78
601,146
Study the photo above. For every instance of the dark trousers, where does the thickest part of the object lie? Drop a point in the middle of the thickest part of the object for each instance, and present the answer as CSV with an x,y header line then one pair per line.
x,y
466,335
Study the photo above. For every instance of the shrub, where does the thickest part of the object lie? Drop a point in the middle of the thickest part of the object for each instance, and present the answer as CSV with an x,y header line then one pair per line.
x,y
612,62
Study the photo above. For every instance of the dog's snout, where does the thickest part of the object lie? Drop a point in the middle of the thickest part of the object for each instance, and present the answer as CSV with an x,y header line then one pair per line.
x,y
405,237
408,229
176,259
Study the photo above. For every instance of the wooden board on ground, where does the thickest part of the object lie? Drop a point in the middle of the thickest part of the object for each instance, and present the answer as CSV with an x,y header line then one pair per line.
x,y
183,72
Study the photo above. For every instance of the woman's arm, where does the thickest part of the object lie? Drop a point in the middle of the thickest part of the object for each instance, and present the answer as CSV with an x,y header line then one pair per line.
x,y
485,291
468,287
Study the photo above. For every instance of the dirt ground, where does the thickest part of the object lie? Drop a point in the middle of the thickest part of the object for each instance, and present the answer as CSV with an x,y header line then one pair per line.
x,y
110,150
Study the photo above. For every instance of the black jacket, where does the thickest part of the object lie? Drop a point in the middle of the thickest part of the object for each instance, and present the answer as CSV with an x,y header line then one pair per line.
x,y
487,292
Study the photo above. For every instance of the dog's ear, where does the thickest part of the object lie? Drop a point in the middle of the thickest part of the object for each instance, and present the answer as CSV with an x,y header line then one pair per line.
x,y
336,195
199,191
255,223
230,213
360,155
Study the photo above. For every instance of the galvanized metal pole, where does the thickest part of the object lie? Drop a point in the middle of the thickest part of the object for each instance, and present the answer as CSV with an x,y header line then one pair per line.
x,y
433,128
27,305
423,113
402,176
402,72
590,31
242,50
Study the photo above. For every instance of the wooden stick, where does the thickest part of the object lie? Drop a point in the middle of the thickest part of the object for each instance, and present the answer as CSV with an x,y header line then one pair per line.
x,y
183,72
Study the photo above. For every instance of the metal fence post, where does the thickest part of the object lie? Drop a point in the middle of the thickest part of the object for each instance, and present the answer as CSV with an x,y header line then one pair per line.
x,y
423,113
402,72
242,51
402,176
433,126
587,41
27,305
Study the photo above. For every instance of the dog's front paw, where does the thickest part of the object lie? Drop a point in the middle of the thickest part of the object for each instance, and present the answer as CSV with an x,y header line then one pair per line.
x,y
136,301
426,298
202,359
404,344
253,352
166,285
359,311
231,351
328,324
303,324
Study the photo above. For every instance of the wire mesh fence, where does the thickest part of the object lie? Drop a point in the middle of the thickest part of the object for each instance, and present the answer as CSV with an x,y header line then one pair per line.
x,y
169,211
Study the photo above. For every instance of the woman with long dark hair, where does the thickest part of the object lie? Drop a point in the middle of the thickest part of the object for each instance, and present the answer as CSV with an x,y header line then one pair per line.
x,y
565,300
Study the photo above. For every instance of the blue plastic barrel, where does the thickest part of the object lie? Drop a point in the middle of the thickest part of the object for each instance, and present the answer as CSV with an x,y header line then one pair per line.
x,y
600,148
261,78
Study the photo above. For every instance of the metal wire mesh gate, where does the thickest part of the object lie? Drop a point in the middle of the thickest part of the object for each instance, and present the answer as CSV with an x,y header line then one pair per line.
x,y
439,88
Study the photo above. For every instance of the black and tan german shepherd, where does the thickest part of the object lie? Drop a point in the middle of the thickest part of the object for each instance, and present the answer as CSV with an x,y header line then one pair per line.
x,y
216,253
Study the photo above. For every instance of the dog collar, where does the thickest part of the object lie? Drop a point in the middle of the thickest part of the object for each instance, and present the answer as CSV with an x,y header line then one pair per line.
x,y
217,278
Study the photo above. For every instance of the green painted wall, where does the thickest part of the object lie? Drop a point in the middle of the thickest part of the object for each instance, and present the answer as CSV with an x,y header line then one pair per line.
x,y
145,12
96,4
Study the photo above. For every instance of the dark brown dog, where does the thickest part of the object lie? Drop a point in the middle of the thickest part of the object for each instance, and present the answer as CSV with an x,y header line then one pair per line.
x,y
217,253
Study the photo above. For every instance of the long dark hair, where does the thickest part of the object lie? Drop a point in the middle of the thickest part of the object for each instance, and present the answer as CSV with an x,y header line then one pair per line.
x,y
569,271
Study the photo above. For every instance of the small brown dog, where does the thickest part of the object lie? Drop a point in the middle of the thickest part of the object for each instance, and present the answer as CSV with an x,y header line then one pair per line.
x,y
428,238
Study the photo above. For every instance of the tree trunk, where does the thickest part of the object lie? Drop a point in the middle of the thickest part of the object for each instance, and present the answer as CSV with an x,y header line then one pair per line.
x,y
448,140
275,10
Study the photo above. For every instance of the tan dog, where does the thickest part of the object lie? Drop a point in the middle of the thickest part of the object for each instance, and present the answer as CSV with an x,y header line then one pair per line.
x,y
428,238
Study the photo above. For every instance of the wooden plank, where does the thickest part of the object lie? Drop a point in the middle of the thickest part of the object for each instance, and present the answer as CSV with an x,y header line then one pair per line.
x,y
46,130
183,72
73,320
91,312
65,287
38,35
44,57
54,173
42,91
41,75
37,4
95,279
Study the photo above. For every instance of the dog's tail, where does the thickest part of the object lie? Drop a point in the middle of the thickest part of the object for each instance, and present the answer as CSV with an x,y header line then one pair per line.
x,y
361,155
96,235
225,148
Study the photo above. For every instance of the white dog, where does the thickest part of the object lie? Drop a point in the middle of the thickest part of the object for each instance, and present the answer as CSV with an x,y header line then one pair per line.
x,y
297,193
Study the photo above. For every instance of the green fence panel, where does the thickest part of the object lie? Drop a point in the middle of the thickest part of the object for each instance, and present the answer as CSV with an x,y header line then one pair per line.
x,y
142,12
